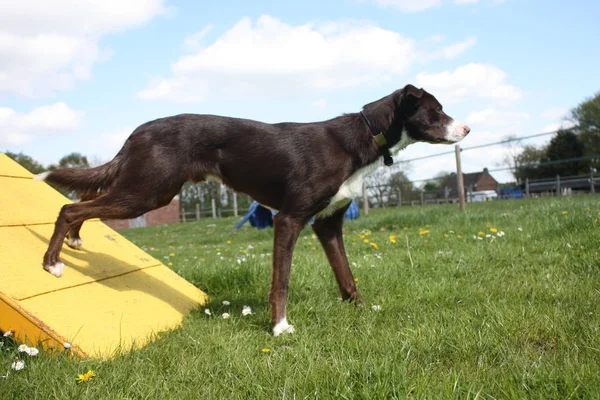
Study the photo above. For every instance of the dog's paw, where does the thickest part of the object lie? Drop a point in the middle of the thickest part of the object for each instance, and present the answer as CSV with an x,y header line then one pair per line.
x,y
75,243
55,269
283,327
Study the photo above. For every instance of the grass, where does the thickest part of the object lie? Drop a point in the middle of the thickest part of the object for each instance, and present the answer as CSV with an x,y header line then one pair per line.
x,y
516,316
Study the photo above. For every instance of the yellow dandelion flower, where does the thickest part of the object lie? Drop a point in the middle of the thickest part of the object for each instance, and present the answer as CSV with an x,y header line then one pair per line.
x,y
228,242
423,232
362,236
374,245
426,241
170,264
171,254
355,279
459,236
493,230
265,350
565,212
171,247
406,228
366,240
245,251
367,233
85,377
481,233
392,238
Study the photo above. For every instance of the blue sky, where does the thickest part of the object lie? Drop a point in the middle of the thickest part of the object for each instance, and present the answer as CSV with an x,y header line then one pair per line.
x,y
81,76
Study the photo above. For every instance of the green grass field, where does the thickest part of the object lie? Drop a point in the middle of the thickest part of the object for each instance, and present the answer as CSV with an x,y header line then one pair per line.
x,y
460,315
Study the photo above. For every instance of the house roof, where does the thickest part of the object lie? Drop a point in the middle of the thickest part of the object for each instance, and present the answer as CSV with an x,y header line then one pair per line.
x,y
470,179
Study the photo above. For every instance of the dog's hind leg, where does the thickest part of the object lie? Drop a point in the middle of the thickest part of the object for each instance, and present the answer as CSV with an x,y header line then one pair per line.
x,y
287,229
73,238
118,203
329,231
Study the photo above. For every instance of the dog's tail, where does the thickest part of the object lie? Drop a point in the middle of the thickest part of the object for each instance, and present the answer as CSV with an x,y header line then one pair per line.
x,y
82,180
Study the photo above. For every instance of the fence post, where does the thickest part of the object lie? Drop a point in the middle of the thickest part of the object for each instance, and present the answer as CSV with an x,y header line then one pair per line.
x,y
182,214
459,179
365,198
213,203
399,204
592,188
422,197
235,207
470,197
197,211
558,185
446,193
527,187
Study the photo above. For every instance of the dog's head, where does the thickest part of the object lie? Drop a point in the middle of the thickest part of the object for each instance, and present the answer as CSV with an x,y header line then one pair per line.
x,y
425,120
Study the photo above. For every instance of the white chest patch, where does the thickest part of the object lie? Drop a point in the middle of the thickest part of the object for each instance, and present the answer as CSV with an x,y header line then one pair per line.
x,y
352,186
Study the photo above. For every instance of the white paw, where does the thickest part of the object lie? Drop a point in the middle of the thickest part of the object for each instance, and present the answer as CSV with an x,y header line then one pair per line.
x,y
75,243
56,269
283,327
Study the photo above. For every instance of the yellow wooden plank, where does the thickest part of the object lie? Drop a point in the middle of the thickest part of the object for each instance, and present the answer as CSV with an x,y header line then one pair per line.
x,y
118,313
105,254
10,168
26,328
26,201
112,294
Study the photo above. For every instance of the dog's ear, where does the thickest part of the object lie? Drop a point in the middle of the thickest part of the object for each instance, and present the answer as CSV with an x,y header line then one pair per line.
x,y
411,91
409,97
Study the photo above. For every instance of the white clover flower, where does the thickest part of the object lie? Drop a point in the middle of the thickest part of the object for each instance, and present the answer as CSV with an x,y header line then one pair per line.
x,y
67,345
33,351
226,303
375,307
246,311
225,315
488,236
207,311
479,238
7,334
18,365
23,348
520,229
501,233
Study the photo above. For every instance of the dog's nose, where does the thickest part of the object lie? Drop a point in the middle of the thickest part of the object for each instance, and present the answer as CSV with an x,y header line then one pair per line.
x,y
466,130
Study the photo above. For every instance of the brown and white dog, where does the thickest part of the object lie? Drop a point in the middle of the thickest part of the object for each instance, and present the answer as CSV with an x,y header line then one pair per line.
x,y
300,169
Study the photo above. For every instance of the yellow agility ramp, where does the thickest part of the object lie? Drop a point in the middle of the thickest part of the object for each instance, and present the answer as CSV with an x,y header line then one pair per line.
x,y
112,295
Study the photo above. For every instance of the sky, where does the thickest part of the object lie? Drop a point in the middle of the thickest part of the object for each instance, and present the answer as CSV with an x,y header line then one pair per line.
x,y
81,76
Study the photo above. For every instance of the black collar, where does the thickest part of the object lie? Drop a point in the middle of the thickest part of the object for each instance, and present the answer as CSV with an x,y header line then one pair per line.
x,y
381,140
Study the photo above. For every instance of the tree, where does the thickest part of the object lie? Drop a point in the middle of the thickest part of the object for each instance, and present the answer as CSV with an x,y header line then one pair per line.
x,y
586,117
527,163
72,160
27,162
566,145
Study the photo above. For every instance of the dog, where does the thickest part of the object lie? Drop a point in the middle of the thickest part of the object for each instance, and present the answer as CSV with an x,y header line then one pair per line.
x,y
300,169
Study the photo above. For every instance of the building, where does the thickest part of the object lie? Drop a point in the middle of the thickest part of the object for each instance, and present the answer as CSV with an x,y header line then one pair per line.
x,y
166,215
474,182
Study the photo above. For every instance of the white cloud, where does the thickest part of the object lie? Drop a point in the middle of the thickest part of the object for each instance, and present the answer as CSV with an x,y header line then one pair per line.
x,y
47,46
192,42
454,50
555,113
409,5
492,118
19,128
108,144
474,81
320,104
269,57
420,5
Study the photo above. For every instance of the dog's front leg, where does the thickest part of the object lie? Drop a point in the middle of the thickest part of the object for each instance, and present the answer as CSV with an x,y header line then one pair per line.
x,y
287,229
329,231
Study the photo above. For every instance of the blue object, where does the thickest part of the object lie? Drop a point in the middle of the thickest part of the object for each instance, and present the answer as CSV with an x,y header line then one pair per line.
x,y
261,217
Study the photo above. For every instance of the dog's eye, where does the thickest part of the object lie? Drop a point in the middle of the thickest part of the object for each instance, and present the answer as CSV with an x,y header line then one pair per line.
x,y
439,110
